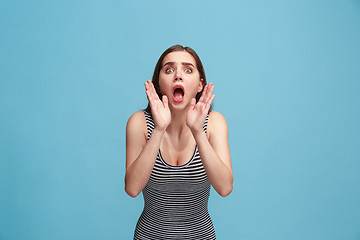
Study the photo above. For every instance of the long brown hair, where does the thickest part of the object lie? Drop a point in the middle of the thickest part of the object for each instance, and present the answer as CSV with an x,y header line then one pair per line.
x,y
155,78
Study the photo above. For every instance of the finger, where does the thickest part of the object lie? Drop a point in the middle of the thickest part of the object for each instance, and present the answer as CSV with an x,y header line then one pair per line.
x,y
192,103
208,104
156,96
209,92
152,87
152,91
203,94
149,93
165,101
147,84
149,97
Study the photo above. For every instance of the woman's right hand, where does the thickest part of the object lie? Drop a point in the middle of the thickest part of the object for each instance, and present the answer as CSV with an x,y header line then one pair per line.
x,y
159,109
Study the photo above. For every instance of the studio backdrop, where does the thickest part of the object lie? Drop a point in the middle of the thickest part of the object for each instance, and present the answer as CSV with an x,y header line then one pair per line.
x,y
286,77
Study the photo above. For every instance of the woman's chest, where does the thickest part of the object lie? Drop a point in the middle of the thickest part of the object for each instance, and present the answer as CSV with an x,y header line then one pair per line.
x,y
177,152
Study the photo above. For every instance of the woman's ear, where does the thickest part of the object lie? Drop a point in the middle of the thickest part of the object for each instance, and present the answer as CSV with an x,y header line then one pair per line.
x,y
201,85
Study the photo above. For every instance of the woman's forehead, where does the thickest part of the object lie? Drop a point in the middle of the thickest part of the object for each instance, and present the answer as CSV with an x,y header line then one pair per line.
x,y
179,56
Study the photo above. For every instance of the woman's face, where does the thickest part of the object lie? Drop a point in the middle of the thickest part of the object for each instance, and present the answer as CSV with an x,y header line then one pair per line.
x,y
179,79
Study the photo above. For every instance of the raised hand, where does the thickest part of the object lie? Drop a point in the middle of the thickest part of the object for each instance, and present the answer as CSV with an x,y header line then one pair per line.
x,y
159,109
198,111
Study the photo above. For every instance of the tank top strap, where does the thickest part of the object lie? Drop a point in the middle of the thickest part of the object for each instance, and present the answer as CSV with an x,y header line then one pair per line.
x,y
149,123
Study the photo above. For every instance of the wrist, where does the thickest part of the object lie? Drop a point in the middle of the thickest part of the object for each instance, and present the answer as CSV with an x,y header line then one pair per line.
x,y
159,130
197,133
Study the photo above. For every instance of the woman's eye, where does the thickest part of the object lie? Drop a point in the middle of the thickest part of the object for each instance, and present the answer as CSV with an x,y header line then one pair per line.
x,y
189,70
169,70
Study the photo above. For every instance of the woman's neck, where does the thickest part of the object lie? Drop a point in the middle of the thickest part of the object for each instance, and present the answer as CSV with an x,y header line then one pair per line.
x,y
177,126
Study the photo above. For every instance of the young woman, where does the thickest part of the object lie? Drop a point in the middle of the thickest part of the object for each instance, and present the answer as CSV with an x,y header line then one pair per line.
x,y
176,149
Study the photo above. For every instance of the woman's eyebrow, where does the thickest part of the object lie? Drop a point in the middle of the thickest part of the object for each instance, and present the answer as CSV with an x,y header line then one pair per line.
x,y
183,63
168,63
187,64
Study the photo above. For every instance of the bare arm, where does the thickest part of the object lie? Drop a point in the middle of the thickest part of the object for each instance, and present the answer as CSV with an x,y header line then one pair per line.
x,y
141,155
214,150
215,154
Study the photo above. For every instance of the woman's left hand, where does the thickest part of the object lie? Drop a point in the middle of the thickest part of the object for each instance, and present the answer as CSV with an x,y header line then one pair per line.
x,y
198,111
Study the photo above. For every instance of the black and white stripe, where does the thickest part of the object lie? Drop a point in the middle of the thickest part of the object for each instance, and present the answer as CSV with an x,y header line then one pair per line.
x,y
176,200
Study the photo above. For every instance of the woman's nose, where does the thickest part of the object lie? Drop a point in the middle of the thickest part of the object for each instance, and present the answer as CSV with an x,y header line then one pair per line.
x,y
178,76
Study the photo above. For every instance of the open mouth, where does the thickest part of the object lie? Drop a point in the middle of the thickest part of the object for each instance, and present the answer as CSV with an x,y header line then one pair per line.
x,y
178,93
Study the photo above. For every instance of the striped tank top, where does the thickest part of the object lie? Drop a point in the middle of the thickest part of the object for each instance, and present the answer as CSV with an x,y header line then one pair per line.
x,y
175,199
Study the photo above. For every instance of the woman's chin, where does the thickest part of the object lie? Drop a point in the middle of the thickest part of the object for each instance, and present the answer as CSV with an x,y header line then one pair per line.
x,y
178,106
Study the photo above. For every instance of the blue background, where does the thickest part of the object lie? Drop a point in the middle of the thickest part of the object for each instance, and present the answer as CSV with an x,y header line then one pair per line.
x,y
286,76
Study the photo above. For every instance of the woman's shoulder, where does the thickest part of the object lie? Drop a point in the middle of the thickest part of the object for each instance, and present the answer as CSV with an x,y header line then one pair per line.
x,y
137,115
216,122
137,120
216,117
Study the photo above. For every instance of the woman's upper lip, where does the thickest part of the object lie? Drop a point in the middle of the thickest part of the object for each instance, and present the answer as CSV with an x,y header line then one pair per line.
x,y
178,86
